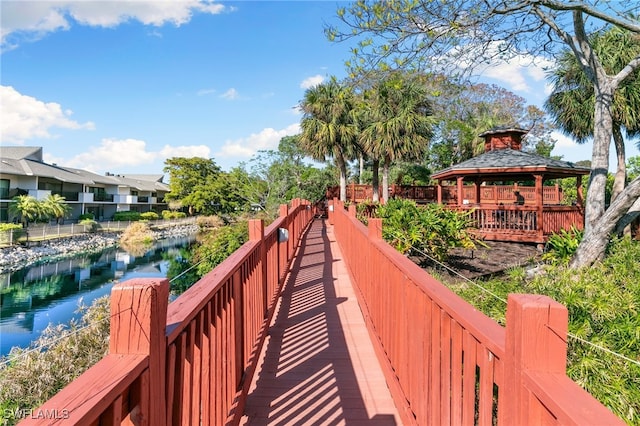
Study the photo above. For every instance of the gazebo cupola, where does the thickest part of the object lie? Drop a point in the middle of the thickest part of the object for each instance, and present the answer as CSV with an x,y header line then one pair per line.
x,y
503,138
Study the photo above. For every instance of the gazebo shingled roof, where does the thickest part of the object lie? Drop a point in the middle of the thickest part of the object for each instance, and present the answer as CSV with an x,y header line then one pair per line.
x,y
498,164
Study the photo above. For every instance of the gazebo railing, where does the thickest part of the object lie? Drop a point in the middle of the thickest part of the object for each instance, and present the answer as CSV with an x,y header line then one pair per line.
x,y
489,194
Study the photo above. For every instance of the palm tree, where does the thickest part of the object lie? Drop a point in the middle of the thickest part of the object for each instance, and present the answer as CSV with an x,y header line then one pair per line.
x,y
328,126
55,206
398,124
572,102
25,207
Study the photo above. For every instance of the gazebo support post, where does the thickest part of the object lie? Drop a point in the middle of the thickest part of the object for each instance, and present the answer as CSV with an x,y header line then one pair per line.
x,y
580,196
439,192
540,207
459,182
476,188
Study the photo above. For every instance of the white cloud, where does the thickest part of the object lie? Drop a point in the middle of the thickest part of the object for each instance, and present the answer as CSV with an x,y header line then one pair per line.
x,y
191,151
516,73
25,117
563,141
113,154
117,154
231,94
267,139
204,92
36,19
310,82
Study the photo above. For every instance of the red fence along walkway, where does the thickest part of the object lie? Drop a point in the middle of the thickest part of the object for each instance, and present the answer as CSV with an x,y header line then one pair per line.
x,y
189,362
447,363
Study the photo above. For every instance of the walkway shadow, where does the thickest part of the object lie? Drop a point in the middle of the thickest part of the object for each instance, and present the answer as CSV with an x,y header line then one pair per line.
x,y
308,375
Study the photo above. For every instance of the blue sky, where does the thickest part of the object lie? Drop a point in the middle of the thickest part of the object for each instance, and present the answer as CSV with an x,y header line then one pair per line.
x,y
118,87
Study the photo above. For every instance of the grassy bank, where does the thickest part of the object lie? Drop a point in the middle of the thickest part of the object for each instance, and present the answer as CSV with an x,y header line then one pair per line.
x,y
604,308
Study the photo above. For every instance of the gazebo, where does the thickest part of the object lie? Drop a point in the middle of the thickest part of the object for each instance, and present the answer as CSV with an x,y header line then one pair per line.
x,y
518,213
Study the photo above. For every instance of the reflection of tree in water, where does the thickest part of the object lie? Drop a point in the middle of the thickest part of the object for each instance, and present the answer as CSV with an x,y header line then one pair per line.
x,y
179,274
42,288
136,248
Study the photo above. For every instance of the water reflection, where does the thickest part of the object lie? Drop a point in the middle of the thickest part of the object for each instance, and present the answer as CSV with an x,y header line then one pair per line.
x,y
32,298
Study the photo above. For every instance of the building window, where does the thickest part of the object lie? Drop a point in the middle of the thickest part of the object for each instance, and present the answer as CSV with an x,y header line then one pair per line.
x,y
4,188
4,212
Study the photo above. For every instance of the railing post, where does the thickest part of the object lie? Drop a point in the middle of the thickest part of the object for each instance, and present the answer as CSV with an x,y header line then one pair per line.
x,y
536,340
138,323
256,233
375,229
352,210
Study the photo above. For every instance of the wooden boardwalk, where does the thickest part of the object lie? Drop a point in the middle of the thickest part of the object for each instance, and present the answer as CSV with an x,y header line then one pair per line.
x,y
318,365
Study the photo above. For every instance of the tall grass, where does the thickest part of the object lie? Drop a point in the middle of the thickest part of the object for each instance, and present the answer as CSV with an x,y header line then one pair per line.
x,y
31,376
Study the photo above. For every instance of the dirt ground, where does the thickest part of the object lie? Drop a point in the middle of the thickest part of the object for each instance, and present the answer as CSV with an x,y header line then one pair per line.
x,y
496,258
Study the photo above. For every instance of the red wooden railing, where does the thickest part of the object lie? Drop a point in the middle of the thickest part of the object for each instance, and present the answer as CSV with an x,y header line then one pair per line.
x,y
521,223
189,362
489,194
447,363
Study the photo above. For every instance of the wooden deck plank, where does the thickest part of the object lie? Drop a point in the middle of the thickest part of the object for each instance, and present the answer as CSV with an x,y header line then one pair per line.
x,y
318,365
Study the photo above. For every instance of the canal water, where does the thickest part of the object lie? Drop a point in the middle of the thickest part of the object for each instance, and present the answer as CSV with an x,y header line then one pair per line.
x,y
34,297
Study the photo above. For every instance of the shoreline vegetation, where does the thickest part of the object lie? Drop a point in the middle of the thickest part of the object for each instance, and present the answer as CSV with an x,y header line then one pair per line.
x,y
17,257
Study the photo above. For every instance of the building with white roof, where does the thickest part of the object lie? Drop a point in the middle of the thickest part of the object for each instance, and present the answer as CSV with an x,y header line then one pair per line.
x,y
23,172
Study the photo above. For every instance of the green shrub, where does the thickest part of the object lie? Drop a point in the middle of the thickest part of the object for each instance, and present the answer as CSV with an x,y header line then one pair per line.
x,y
149,216
170,214
432,229
126,216
92,225
85,216
10,232
561,246
217,245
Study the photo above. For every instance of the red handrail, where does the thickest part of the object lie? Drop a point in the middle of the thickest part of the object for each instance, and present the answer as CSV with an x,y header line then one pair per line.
x,y
190,362
445,362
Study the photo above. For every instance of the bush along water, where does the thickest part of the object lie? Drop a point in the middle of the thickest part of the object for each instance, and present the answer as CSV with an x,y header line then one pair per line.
x,y
604,308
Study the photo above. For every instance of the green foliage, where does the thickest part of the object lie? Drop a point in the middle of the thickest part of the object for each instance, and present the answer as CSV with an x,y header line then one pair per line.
x,y
9,227
218,245
181,273
562,246
10,232
329,127
466,110
395,118
432,229
201,186
633,167
126,216
54,206
149,216
34,375
169,214
604,308
272,178
27,208
86,216
92,225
